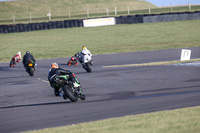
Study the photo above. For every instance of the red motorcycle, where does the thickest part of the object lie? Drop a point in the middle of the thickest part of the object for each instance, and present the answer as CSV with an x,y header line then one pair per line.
x,y
72,61
14,61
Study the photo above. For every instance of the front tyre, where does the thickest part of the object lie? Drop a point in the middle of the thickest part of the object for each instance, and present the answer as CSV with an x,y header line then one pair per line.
x,y
68,92
11,63
88,67
82,97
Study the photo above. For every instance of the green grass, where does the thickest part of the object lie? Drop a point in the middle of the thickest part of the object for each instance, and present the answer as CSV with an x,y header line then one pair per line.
x,y
101,40
40,8
78,9
186,120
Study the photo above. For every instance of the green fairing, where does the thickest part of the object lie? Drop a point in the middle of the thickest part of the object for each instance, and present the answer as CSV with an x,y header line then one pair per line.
x,y
77,81
28,62
64,77
56,85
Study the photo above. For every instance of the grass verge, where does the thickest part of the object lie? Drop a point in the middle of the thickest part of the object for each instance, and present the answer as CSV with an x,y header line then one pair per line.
x,y
40,8
28,11
102,40
186,120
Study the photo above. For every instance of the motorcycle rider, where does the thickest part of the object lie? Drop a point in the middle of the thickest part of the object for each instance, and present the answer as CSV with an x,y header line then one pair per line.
x,y
54,71
28,56
73,61
81,54
16,58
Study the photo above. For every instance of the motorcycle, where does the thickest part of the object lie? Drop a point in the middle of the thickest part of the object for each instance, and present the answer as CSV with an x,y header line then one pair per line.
x,y
66,88
13,62
72,61
85,60
30,67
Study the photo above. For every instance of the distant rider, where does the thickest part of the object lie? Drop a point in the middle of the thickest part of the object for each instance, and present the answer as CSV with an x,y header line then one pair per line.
x,y
28,56
56,71
16,58
81,54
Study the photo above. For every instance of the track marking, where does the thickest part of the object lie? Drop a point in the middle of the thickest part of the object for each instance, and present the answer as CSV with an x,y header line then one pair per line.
x,y
43,80
152,63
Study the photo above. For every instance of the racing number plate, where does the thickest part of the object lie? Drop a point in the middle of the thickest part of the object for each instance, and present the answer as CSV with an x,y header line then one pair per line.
x,y
30,64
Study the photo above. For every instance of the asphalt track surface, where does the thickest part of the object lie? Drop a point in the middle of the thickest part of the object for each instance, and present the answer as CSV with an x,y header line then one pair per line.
x,y
28,103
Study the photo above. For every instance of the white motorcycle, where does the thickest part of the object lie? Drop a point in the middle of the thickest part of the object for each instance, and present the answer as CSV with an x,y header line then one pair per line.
x,y
85,58
87,62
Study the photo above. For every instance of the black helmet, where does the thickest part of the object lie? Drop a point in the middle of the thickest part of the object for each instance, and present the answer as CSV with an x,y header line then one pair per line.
x,y
27,52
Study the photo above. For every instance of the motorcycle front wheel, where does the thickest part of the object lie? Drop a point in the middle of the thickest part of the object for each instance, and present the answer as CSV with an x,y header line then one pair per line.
x,y
88,67
69,93
82,97
11,63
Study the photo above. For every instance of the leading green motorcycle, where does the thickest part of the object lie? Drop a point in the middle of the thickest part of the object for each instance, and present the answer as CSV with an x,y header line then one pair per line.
x,y
66,88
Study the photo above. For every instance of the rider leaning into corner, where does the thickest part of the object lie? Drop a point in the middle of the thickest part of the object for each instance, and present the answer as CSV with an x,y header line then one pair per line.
x,y
16,58
81,54
28,56
56,71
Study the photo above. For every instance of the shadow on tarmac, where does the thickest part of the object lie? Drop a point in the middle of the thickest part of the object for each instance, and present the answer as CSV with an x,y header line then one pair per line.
x,y
32,105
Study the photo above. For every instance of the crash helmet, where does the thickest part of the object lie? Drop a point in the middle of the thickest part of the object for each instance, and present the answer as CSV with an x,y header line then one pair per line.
x,y
27,52
54,65
84,47
19,53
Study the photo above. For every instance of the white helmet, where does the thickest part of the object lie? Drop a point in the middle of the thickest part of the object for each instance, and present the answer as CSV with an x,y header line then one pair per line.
x,y
19,53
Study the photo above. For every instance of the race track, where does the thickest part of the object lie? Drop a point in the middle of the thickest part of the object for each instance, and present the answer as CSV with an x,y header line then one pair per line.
x,y
28,103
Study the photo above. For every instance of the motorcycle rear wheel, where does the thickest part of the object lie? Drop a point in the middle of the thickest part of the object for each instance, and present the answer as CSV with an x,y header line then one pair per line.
x,y
31,71
67,91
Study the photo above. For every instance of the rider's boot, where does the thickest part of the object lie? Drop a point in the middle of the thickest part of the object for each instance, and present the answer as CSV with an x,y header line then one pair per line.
x,y
64,97
56,92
